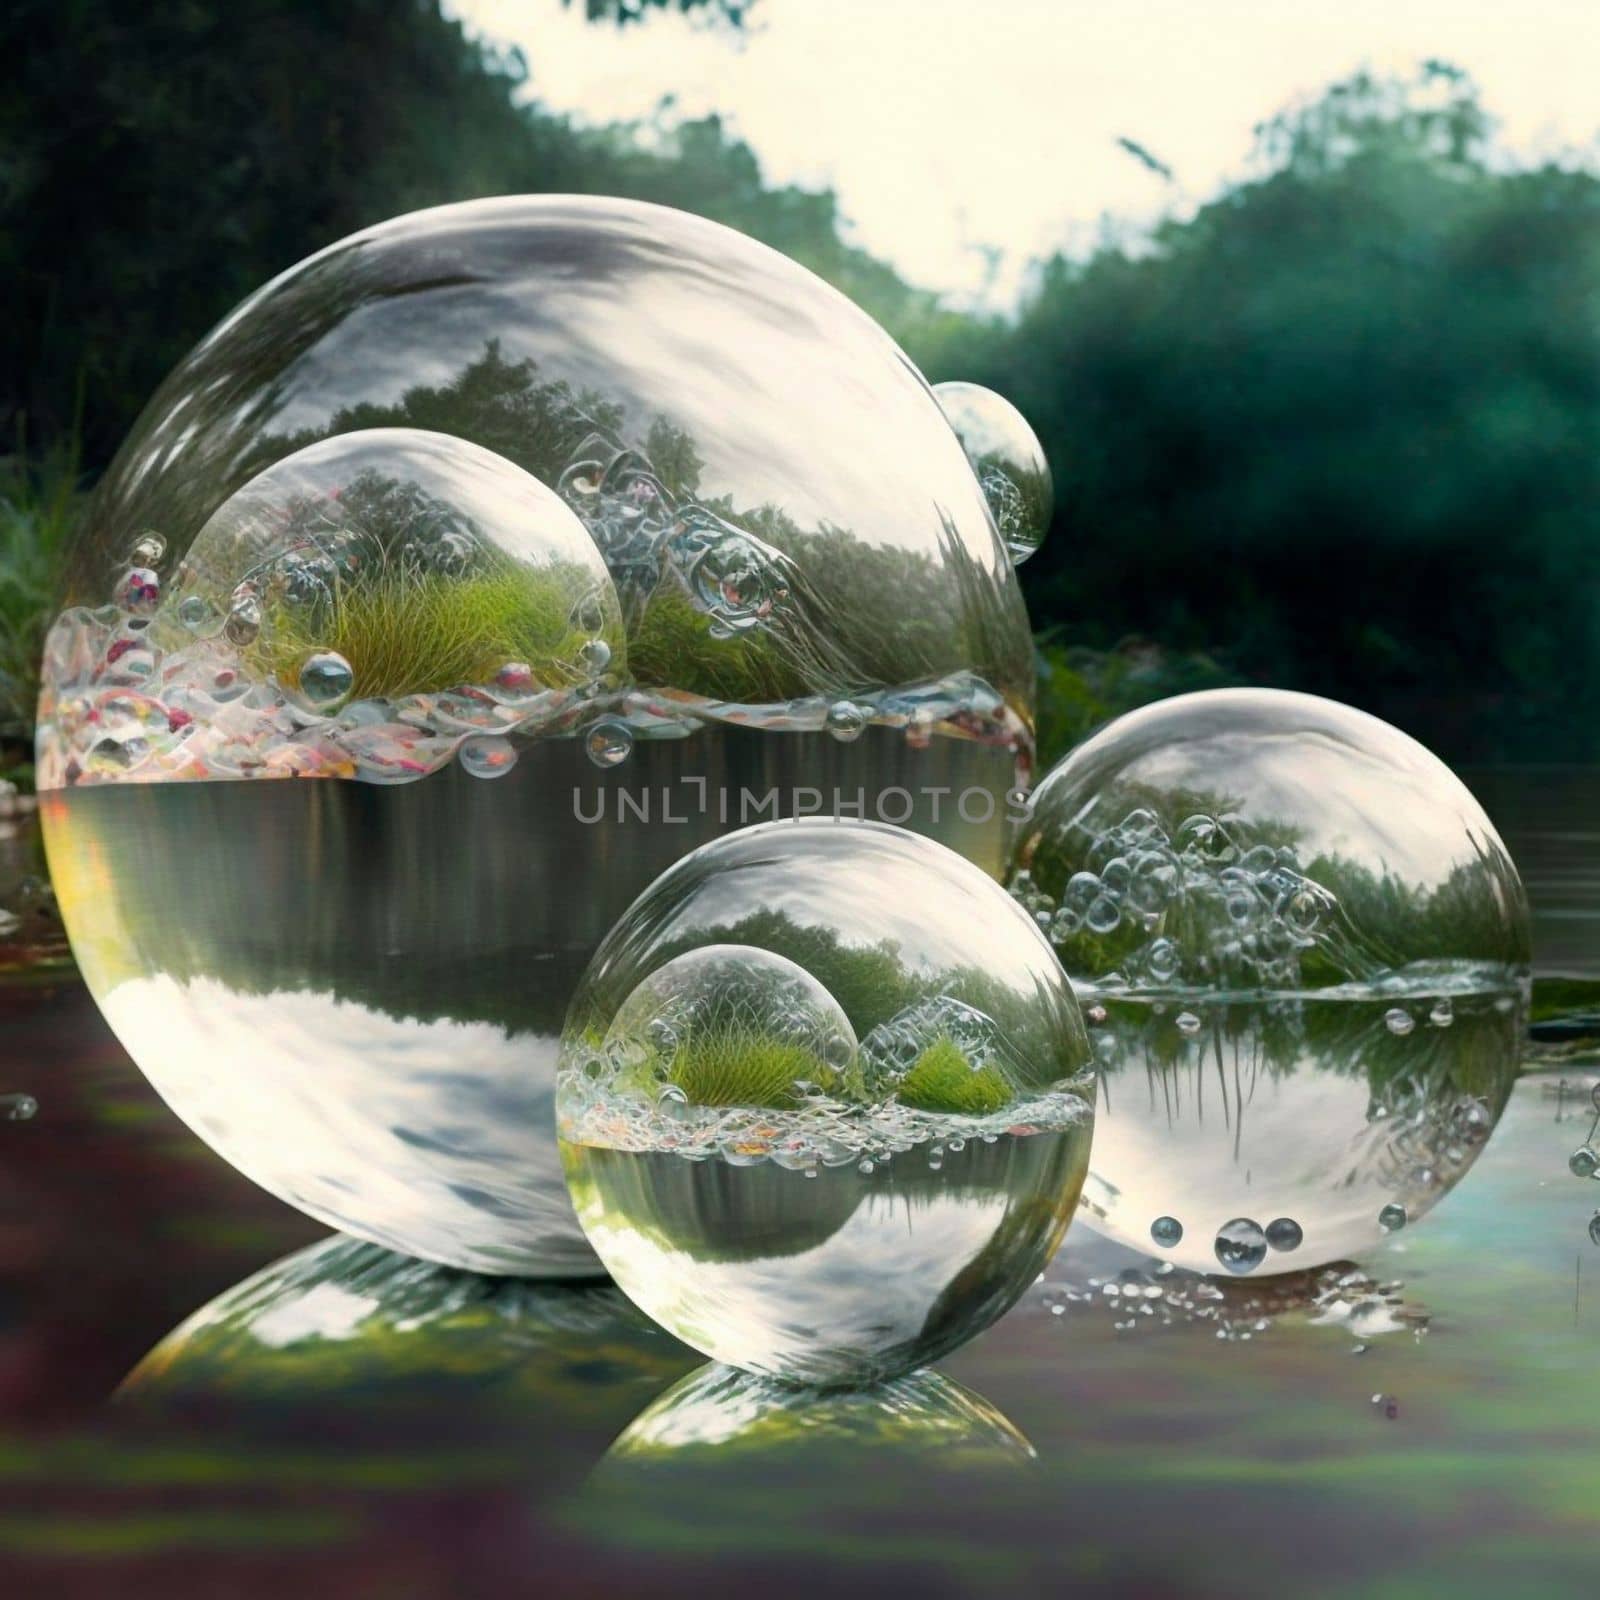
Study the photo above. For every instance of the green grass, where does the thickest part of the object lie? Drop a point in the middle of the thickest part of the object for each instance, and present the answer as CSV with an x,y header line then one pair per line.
x,y
671,644
405,632
732,1065
39,508
943,1079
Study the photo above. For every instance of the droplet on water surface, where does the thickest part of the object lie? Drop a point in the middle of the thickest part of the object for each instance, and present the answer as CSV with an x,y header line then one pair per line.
x,y
1584,1162
1398,1021
1166,1231
1241,1245
1392,1218
1284,1233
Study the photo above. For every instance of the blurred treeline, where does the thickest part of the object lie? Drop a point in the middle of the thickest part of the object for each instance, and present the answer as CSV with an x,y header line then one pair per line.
x,y
1337,430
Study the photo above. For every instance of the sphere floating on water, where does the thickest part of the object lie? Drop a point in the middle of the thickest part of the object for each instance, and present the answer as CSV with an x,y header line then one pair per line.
x,y
1009,461
823,1102
1311,950
337,546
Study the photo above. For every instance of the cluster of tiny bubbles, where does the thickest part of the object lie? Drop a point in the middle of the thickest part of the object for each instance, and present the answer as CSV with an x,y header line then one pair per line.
x,y
325,680
1008,460
1392,1218
893,1048
1265,911
1164,1296
608,742
18,1107
846,721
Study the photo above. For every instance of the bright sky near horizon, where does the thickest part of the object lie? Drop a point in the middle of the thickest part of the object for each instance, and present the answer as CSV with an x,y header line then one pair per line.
x,y
953,127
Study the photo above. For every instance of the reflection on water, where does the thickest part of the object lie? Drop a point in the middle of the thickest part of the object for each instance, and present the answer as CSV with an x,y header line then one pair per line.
x,y
1270,1135
354,992
730,1421
1157,1295
347,1318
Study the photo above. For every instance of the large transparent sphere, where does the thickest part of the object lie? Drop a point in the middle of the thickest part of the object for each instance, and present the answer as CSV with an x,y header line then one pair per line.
x,y
552,537
1304,951
823,1102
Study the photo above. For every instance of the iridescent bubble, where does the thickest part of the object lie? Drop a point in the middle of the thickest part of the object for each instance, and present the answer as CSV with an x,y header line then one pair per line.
x,y
139,591
1284,1233
1166,1231
609,742
325,680
1392,1218
1241,1245
846,721
487,757
1008,459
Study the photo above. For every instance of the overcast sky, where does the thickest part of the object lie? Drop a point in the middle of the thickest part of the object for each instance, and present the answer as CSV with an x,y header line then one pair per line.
x,y
947,126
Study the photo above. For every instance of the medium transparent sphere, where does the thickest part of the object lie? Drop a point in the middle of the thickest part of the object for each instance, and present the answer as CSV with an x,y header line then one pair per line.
x,y
822,1102
551,538
1009,461
1304,952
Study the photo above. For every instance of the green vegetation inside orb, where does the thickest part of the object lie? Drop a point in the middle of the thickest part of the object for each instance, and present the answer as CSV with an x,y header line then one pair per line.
x,y
943,1079
732,1065
406,632
672,644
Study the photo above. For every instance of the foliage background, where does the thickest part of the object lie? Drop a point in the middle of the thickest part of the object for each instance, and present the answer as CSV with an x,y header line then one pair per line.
x,y
1337,430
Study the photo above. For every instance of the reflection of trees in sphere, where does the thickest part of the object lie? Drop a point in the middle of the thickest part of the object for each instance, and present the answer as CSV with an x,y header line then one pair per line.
x,y
1309,954
593,499
777,1195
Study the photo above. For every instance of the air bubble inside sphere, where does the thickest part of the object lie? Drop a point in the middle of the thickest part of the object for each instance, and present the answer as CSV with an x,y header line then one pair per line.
x,y
336,550
1310,950
823,1102
1009,461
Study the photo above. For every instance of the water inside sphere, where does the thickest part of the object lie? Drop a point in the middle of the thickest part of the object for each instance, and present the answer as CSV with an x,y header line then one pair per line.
x,y
823,1103
1310,948
399,452
1009,461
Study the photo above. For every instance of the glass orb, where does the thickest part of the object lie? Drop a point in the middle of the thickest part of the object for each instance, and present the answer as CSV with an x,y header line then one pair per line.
x,y
822,1102
598,501
1306,950
1009,461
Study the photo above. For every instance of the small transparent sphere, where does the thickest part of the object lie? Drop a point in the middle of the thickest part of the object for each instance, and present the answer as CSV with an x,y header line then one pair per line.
x,y
1311,950
1009,461
823,1101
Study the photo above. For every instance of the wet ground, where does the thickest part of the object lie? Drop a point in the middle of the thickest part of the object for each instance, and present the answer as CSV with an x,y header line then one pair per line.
x,y
180,1416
